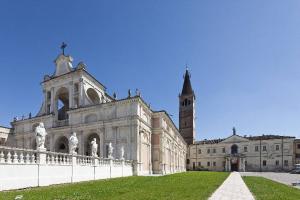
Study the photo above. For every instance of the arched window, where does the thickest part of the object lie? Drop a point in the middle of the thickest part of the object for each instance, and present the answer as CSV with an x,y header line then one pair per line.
x,y
93,96
185,102
234,149
62,103
62,145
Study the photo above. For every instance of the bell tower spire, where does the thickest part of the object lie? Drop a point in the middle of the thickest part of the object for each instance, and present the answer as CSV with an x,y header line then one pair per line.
x,y
187,110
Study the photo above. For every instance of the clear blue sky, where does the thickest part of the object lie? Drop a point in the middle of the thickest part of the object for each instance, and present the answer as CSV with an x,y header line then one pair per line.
x,y
244,56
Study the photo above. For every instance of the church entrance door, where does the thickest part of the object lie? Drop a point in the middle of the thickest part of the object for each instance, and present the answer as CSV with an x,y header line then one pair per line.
x,y
234,167
234,164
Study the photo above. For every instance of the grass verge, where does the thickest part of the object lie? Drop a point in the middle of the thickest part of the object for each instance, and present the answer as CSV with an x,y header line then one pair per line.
x,y
189,185
265,189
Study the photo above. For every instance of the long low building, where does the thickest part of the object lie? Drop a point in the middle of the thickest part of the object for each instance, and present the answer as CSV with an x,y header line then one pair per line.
x,y
237,153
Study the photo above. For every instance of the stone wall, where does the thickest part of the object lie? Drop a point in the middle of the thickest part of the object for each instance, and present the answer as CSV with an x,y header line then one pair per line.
x,y
22,168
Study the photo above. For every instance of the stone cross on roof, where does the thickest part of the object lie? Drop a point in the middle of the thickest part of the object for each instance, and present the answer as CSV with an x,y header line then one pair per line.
x,y
63,46
234,131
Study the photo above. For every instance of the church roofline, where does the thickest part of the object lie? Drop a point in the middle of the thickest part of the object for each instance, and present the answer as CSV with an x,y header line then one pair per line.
x,y
258,137
5,127
75,70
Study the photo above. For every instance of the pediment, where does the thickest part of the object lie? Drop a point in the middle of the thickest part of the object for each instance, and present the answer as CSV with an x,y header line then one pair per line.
x,y
63,64
235,139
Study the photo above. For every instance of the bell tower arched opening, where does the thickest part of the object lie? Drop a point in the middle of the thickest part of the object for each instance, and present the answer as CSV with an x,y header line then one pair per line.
x,y
62,103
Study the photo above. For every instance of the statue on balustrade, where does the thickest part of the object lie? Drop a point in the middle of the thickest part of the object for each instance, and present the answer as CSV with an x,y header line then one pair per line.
x,y
110,150
122,153
73,142
94,146
40,136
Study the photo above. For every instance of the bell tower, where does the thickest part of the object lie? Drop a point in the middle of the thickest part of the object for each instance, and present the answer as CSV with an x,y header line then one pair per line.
x,y
187,110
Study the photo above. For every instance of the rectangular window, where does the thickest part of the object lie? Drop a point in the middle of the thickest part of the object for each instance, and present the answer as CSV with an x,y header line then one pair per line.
x,y
208,164
277,147
298,146
223,150
187,161
208,150
277,162
48,108
199,163
286,163
297,155
199,151
245,163
76,102
245,149
264,163
214,150
76,87
214,164
49,95
264,148
256,148
194,165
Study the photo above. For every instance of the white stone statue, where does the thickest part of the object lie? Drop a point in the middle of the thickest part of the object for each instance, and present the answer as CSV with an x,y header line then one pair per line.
x,y
122,153
73,142
110,150
94,147
40,134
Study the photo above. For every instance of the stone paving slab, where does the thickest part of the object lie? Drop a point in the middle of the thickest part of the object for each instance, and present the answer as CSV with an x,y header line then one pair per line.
x,y
233,188
285,178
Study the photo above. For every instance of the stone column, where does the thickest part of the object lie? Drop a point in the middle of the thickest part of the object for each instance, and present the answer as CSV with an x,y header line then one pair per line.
x,y
81,142
150,154
52,142
71,95
102,147
81,92
45,101
240,164
52,107
115,130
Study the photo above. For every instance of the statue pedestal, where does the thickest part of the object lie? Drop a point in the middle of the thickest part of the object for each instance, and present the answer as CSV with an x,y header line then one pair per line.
x,y
95,161
74,159
41,156
41,149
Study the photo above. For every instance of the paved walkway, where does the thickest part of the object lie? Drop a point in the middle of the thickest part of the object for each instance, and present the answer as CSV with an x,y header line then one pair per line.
x,y
233,188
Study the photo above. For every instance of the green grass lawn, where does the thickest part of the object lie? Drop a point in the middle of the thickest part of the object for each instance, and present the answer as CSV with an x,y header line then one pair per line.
x,y
265,189
189,185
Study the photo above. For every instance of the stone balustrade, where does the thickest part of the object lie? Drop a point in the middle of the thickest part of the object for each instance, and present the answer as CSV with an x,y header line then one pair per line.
x,y
22,168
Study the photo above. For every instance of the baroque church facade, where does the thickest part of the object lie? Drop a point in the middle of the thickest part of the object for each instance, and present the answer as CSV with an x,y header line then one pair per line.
x,y
74,101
